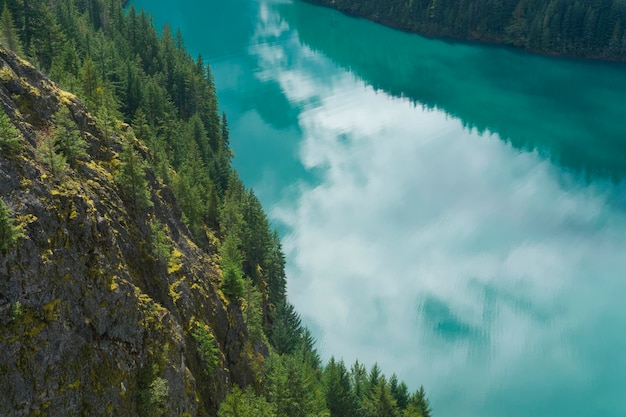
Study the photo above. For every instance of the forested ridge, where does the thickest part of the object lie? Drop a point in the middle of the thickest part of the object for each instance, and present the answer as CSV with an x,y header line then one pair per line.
x,y
141,160
591,29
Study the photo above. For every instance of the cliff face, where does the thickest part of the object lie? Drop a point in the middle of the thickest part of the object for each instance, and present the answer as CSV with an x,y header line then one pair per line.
x,y
93,321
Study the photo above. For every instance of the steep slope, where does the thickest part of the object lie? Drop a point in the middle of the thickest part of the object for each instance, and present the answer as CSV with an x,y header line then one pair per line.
x,y
95,319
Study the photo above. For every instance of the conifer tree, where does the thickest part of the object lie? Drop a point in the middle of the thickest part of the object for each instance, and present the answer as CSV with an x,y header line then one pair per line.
x,y
48,153
253,312
379,402
286,329
400,392
132,178
275,271
159,245
340,398
420,401
9,232
69,140
232,274
90,80
358,377
245,403
10,137
294,387
8,34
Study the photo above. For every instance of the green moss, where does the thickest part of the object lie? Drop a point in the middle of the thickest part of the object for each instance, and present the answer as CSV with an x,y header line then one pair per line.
x,y
51,310
76,385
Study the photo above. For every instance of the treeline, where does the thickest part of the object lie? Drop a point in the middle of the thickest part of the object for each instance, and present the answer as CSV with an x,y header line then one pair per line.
x,y
118,63
593,29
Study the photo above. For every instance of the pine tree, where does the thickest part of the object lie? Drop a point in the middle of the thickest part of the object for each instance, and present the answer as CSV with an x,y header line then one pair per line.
x,y
47,152
275,271
232,275
9,232
286,328
399,391
293,387
90,80
420,402
252,311
132,178
8,34
340,398
159,245
358,377
69,140
232,281
10,137
379,402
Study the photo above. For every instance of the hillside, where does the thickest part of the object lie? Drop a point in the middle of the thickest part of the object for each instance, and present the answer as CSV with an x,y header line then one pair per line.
x,y
589,29
91,315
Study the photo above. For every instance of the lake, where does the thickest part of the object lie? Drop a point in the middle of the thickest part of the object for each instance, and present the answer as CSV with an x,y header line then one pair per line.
x,y
455,212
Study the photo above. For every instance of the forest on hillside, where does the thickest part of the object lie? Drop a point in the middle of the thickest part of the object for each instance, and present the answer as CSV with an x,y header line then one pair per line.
x,y
132,76
591,29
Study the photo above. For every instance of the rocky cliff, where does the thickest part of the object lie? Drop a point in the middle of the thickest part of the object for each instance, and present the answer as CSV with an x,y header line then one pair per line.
x,y
93,320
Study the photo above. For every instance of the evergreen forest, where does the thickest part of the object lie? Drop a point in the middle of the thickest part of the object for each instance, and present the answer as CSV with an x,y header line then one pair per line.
x,y
135,78
590,29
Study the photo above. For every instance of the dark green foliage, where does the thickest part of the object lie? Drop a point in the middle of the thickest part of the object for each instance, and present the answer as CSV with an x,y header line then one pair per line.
x,y
206,348
8,34
275,271
232,275
420,402
9,232
379,402
579,28
256,237
132,178
159,244
375,377
10,137
153,391
294,387
340,398
286,328
232,282
68,138
245,403
107,113
358,377
123,69
90,80
48,153
399,391
253,312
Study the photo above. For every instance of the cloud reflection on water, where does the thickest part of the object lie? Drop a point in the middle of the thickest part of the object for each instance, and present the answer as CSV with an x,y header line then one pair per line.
x,y
447,256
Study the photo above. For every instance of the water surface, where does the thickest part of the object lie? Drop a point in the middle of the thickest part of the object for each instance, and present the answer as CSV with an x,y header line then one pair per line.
x,y
455,212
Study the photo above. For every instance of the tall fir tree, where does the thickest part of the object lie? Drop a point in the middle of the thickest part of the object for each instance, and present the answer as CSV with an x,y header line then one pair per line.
x,y
9,37
132,178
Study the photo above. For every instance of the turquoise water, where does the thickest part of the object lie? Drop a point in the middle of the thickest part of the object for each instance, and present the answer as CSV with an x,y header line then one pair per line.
x,y
455,212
